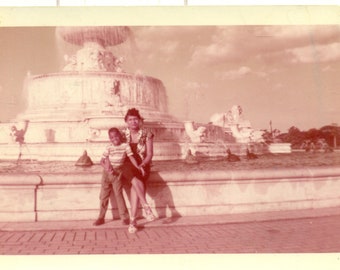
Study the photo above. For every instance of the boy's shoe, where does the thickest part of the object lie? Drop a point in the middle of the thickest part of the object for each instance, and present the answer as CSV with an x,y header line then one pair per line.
x,y
99,221
132,227
149,215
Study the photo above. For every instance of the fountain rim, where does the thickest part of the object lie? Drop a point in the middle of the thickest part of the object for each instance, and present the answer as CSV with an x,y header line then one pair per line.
x,y
95,73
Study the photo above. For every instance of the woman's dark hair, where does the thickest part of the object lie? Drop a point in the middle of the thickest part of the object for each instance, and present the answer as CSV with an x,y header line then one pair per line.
x,y
133,112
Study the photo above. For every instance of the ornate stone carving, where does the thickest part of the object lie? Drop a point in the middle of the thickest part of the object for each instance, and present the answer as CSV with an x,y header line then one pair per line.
x,y
241,129
196,135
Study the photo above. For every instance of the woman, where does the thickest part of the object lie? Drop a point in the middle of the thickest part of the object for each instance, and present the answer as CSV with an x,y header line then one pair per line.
x,y
137,168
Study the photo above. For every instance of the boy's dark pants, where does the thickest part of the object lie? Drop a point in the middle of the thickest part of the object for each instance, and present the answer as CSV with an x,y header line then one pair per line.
x,y
112,182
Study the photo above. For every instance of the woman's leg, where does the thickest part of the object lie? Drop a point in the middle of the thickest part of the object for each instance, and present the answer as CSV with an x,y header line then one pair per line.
x,y
137,194
134,207
134,203
138,187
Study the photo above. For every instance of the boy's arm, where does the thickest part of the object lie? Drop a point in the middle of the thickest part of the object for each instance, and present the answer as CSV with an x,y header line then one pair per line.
x,y
105,155
107,165
102,162
105,162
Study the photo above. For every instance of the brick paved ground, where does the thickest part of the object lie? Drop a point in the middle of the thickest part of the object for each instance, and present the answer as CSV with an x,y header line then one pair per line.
x,y
318,234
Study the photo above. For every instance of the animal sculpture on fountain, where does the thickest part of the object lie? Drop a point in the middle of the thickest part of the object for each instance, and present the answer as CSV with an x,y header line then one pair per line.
x,y
251,155
190,158
196,135
232,157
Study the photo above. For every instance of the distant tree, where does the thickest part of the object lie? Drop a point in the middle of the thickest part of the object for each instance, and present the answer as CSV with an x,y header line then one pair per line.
x,y
313,134
282,137
329,133
276,136
267,136
293,131
271,136
295,137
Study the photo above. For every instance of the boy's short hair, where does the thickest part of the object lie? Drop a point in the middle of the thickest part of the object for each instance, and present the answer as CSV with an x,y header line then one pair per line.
x,y
115,130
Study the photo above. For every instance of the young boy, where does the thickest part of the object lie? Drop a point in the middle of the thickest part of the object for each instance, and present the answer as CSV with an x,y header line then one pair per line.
x,y
112,161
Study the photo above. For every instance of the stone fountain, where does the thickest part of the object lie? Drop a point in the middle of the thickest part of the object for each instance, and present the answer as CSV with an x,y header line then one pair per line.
x,y
70,111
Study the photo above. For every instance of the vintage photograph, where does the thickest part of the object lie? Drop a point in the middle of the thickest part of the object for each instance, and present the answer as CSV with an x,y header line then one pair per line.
x,y
169,139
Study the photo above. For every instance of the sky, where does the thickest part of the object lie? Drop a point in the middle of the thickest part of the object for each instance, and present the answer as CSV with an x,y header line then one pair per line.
x,y
288,75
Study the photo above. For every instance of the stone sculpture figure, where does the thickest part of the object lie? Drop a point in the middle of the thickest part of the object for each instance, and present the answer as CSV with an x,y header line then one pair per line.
x,y
108,61
71,63
118,63
196,135
241,129
18,136
113,101
88,58
235,114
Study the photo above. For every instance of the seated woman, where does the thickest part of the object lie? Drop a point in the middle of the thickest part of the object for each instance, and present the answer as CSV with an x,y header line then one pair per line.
x,y
136,169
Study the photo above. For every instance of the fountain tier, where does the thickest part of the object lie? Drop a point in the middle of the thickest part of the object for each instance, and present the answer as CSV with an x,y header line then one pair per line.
x,y
78,96
98,100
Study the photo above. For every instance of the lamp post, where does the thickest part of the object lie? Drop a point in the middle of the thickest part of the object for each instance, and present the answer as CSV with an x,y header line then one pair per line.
x,y
271,129
335,131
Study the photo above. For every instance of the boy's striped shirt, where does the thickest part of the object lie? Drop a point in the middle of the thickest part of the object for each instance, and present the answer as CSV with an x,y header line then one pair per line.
x,y
116,154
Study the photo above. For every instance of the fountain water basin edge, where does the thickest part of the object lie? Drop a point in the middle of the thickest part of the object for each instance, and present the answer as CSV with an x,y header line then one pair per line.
x,y
62,196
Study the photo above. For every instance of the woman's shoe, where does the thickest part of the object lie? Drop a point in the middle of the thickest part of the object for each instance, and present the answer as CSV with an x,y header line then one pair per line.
x,y
149,215
133,226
